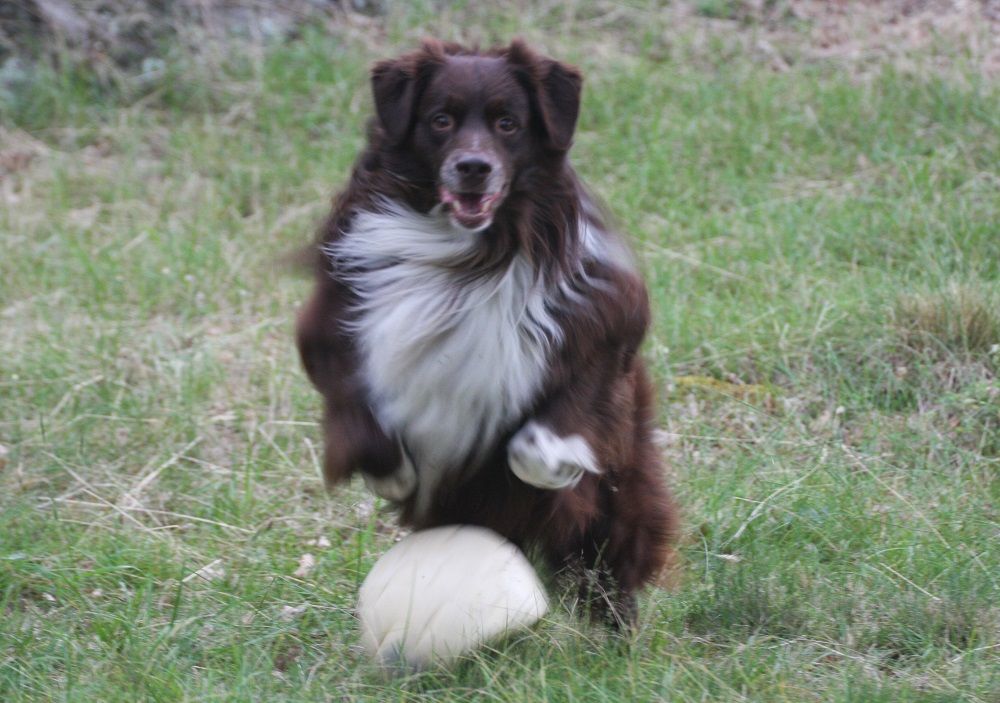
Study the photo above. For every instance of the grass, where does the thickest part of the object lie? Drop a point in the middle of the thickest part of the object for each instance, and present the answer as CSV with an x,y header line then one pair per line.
x,y
825,235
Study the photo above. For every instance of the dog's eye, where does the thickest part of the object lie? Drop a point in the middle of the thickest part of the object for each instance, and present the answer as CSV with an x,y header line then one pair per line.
x,y
442,121
507,125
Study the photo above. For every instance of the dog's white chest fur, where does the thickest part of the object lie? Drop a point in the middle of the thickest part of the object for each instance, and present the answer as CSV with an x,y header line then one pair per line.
x,y
450,361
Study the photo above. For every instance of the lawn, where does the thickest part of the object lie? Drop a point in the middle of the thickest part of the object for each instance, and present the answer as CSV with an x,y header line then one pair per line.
x,y
821,238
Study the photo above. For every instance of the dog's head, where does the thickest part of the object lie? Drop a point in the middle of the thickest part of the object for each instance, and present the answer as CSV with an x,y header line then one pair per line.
x,y
474,125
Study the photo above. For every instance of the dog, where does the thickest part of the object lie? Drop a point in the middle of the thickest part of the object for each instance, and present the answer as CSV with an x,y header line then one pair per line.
x,y
475,325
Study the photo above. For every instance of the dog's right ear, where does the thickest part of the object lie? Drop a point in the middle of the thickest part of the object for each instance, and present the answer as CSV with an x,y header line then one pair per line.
x,y
396,87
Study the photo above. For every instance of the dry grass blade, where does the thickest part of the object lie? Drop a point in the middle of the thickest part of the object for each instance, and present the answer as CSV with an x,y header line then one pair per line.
x,y
130,499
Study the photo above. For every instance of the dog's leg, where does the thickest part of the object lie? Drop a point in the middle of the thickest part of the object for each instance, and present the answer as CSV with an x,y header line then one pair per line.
x,y
624,549
354,439
585,563
396,485
640,526
623,524
541,457
604,600
563,439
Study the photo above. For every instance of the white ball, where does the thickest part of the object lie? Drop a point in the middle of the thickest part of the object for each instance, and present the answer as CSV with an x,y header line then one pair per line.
x,y
442,592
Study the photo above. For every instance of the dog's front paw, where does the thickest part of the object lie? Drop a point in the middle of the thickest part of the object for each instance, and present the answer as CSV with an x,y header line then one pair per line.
x,y
541,458
396,486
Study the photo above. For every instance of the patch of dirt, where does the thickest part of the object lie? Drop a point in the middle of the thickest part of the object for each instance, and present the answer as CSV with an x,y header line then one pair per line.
x,y
127,33
913,35
896,29
132,33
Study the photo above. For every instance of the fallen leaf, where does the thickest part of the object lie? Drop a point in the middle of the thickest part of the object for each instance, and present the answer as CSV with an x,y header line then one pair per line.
x,y
290,612
307,562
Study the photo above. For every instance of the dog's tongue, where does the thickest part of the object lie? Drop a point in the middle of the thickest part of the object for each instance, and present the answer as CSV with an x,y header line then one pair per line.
x,y
471,202
471,210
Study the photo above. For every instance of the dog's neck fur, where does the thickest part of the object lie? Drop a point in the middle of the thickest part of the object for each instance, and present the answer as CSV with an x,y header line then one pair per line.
x,y
451,359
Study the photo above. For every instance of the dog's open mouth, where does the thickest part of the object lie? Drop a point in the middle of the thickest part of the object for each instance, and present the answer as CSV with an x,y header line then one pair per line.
x,y
470,210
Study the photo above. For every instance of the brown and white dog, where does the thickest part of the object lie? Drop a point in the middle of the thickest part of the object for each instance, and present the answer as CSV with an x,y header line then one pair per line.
x,y
475,325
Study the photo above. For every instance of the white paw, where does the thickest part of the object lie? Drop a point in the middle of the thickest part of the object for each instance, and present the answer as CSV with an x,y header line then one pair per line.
x,y
543,459
397,486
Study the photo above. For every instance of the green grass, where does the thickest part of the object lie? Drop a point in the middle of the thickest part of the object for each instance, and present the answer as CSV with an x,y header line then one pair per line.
x,y
828,235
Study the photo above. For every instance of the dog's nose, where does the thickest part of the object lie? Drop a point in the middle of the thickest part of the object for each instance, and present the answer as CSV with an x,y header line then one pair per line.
x,y
473,167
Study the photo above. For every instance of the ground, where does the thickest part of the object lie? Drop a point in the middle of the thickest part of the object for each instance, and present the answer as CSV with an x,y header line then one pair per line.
x,y
814,198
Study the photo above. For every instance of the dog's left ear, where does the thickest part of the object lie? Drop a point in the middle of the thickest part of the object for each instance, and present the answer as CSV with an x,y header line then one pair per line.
x,y
555,91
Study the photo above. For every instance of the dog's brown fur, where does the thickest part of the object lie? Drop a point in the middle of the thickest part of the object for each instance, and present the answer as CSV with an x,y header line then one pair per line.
x,y
619,524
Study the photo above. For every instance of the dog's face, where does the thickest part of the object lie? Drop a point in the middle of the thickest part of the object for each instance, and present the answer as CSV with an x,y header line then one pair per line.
x,y
473,126
476,124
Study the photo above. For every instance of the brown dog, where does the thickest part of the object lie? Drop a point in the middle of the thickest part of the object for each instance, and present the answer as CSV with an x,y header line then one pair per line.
x,y
475,325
